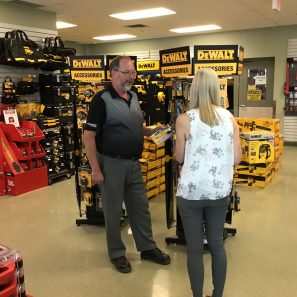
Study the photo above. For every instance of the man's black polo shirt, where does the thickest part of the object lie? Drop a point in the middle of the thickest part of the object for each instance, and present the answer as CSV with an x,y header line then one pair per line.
x,y
118,123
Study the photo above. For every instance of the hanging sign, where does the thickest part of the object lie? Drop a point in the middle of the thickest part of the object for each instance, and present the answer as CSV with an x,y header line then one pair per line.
x,y
87,68
109,58
224,59
254,94
224,102
148,65
175,62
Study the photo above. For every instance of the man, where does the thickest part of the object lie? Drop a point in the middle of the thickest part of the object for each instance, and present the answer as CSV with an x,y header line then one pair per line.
x,y
113,140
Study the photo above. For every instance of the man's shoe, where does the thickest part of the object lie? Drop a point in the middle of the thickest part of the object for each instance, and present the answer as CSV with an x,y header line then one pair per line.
x,y
155,255
121,264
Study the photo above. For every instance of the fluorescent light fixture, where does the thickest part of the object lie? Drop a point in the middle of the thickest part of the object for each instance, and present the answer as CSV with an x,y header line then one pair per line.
x,y
114,37
143,14
195,29
63,25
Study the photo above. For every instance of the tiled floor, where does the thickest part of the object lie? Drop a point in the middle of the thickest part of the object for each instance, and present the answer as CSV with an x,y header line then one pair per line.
x,y
63,260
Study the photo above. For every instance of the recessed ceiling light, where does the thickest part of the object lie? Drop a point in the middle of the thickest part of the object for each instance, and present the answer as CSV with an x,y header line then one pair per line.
x,y
114,37
143,14
63,25
195,29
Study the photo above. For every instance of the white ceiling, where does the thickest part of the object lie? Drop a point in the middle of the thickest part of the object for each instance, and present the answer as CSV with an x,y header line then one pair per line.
x,y
92,18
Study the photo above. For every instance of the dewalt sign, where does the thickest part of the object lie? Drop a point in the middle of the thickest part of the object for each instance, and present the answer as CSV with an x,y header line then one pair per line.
x,y
224,59
175,62
87,68
148,65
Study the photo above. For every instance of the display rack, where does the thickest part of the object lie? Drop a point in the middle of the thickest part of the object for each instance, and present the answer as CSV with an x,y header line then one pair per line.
x,y
178,104
54,148
88,196
24,157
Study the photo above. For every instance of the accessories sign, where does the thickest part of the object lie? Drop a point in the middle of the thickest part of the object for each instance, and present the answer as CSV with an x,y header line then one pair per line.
x,y
175,62
224,59
87,68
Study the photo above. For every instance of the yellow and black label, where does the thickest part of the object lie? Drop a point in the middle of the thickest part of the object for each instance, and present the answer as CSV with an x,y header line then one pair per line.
x,y
88,75
224,102
224,59
28,50
220,68
177,70
87,64
254,95
148,65
175,62
87,68
215,55
177,57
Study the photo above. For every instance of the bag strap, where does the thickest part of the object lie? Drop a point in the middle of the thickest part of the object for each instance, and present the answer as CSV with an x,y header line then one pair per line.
x,y
7,77
8,35
58,42
21,35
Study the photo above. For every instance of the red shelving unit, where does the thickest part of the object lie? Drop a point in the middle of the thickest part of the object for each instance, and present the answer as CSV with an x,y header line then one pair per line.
x,y
24,158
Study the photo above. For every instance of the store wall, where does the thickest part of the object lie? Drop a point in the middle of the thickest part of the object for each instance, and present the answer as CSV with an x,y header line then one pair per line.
x,y
26,16
257,43
81,49
30,17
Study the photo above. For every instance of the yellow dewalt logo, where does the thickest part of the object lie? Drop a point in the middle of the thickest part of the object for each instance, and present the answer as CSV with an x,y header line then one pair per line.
x,y
175,57
212,55
147,65
28,51
87,63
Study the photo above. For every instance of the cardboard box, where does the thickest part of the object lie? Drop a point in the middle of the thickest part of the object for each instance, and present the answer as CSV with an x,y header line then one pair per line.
x,y
258,124
260,169
153,192
257,147
154,173
253,181
162,188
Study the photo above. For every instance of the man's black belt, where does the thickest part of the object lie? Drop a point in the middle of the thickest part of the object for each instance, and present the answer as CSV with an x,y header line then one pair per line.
x,y
133,158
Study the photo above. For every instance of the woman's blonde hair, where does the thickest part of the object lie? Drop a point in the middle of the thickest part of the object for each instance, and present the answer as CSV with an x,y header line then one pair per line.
x,y
204,94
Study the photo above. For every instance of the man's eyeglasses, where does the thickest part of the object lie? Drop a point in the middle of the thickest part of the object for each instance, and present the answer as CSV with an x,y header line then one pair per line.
x,y
133,73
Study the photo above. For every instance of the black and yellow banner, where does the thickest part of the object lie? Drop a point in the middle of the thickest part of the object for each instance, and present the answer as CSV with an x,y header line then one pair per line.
x,y
224,59
224,102
87,68
148,65
109,58
175,62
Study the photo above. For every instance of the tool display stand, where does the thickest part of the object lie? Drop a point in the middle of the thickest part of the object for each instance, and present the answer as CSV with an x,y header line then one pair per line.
x,y
12,279
24,158
180,235
55,150
178,93
67,133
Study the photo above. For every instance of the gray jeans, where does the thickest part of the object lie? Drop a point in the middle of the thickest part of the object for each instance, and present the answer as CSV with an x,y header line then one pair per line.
x,y
123,182
192,213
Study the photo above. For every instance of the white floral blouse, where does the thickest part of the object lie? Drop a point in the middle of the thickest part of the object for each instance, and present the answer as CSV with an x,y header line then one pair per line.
x,y
207,171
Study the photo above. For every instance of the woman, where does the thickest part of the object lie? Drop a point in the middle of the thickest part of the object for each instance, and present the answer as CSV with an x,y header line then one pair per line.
x,y
208,146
